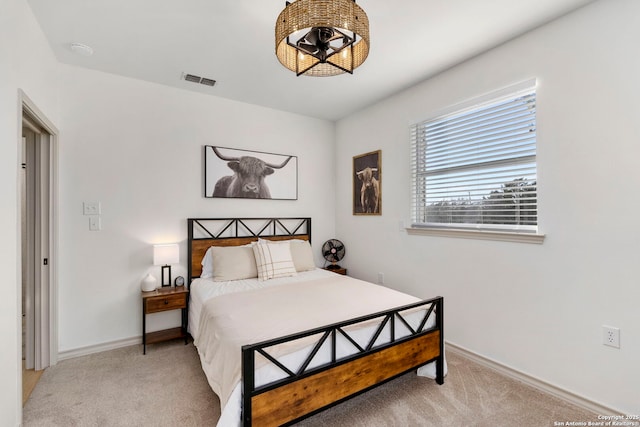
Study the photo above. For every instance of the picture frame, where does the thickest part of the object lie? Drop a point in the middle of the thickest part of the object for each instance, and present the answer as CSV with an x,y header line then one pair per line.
x,y
262,175
367,183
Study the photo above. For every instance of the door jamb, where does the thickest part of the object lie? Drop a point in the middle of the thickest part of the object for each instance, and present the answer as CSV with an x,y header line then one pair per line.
x,y
26,104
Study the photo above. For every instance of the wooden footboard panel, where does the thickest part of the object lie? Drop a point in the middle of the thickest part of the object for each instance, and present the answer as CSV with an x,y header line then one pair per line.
x,y
295,400
307,392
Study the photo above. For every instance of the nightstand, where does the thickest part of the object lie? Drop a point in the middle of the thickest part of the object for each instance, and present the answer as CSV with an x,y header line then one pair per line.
x,y
340,270
164,299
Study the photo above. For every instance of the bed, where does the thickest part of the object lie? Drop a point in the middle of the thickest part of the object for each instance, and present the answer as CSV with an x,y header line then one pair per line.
x,y
296,339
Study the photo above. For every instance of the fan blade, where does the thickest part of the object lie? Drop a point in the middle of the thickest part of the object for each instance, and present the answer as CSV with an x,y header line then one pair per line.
x,y
311,37
309,48
333,37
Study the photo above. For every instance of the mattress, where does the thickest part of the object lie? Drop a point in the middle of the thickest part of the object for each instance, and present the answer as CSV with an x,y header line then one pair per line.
x,y
219,332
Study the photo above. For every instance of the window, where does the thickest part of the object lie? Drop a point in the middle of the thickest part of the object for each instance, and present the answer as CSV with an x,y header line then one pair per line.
x,y
475,168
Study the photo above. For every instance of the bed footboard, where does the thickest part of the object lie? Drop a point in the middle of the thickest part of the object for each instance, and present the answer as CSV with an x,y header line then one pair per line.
x,y
310,390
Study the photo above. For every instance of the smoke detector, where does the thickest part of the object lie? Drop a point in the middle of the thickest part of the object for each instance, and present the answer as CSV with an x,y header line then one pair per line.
x,y
81,49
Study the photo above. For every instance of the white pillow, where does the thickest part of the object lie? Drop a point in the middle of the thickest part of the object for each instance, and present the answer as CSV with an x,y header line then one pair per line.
x,y
233,263
273,260
207,265
301,253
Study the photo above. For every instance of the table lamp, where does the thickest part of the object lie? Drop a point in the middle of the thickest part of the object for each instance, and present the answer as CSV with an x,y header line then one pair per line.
x,y
165,255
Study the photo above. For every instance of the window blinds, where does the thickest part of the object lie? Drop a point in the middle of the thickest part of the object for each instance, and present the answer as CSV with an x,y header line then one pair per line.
x,y
477,168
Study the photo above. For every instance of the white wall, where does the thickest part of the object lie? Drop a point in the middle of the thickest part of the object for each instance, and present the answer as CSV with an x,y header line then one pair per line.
x,y
536,308
137,148
27,63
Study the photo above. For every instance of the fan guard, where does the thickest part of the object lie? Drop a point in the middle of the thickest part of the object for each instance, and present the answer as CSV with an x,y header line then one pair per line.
x,y
333,251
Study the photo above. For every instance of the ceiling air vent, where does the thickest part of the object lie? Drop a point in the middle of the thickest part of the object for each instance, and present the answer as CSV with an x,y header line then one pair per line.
x,y
197,79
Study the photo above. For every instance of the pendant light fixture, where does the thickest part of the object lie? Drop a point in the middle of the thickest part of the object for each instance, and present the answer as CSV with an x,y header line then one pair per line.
x,y
322,37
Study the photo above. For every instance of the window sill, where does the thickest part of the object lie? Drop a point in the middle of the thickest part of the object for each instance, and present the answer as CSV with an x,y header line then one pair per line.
x,y
503,236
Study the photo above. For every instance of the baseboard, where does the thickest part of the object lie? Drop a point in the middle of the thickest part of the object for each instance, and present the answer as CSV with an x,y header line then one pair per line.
x,y
97,348
537,383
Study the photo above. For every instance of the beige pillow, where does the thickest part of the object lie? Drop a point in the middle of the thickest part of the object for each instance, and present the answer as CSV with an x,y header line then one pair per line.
x,y
301,253
273,260
233,263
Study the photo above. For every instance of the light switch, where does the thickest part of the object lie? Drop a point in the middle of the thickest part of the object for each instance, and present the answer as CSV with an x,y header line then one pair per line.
x,y
91,208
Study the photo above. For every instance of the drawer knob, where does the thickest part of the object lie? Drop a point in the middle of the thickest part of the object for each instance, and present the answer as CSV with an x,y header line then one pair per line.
x,y
166,302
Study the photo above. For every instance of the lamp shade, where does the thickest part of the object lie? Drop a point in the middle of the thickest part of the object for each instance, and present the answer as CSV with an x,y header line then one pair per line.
x,y
166,254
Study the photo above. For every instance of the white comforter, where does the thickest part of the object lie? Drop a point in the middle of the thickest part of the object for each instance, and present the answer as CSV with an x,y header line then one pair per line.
x,y
223,316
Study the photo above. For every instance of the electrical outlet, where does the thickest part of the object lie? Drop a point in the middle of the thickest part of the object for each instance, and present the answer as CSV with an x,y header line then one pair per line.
x,y
380,278
94,223
611,336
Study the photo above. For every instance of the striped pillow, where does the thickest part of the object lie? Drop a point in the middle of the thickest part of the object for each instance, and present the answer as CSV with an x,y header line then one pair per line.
x,y
273,260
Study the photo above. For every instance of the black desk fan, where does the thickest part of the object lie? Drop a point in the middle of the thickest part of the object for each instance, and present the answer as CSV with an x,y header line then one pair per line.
x,y
333,251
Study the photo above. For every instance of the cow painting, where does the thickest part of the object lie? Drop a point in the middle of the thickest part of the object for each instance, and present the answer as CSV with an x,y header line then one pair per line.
x,y
248,178
367,184
370,190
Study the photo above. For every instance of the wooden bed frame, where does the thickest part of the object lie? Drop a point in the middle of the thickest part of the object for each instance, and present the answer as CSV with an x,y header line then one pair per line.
x,y
311,390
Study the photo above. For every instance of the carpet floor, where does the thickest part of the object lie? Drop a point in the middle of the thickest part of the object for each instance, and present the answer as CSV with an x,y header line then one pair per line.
x,y
168,388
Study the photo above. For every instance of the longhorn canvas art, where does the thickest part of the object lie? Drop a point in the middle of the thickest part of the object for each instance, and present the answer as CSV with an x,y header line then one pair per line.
x,y
233,173
367,184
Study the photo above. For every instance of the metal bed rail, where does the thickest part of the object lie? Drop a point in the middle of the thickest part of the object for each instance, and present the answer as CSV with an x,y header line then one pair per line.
x,y
329,335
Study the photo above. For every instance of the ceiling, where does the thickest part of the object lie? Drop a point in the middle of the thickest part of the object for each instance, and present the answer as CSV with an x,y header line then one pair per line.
x,y
232,42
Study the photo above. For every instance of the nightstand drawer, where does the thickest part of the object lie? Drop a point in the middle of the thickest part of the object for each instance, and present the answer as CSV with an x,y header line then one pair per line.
x,y
165,302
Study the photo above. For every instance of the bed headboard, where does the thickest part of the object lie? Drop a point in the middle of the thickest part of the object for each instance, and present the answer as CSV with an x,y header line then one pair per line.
x,y
206,232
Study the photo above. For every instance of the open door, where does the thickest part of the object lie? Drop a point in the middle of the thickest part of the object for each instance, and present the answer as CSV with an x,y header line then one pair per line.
x,y
36,249
39,237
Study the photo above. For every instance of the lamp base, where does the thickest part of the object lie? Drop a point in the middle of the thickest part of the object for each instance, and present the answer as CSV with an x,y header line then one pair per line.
x,y
166,275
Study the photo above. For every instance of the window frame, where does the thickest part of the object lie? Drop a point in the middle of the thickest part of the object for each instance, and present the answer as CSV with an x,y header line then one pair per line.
x,y
512,233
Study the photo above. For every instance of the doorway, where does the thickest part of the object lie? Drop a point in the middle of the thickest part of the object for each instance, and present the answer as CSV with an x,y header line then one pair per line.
x,y
38,186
